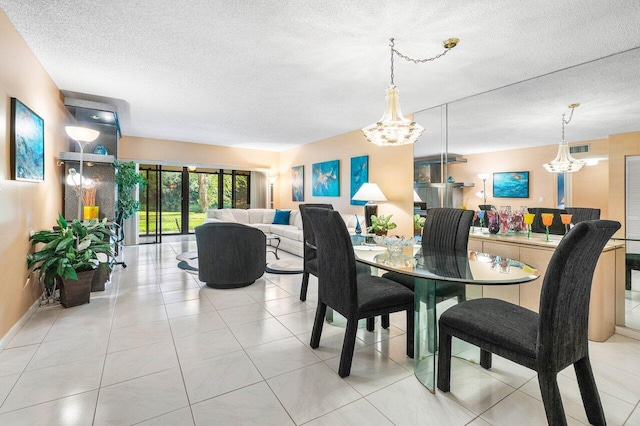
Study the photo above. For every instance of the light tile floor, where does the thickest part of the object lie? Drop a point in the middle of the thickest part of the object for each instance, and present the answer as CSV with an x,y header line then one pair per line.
x,y
158,347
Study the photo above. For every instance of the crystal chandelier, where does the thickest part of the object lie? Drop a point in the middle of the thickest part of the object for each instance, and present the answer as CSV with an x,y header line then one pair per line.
x,y
564,162
393,128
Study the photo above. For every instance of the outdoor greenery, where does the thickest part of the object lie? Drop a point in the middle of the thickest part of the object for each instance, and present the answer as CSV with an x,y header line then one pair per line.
x,y
170,221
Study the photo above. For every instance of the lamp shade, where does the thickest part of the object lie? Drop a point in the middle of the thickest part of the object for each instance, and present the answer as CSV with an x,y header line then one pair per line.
x,y
393,128
82,134
416,197
369,192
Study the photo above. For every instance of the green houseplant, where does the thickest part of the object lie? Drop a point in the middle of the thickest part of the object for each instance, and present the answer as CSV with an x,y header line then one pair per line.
x,y
418,224
381,224
68,258
127,178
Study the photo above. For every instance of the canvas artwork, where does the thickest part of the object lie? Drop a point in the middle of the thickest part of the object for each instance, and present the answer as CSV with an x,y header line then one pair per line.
x,y
359,175
326,179
27,143
297,183
511,185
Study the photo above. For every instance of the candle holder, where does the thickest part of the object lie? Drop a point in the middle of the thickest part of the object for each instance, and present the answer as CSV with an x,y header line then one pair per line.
x,y
547,220
528,220
566,220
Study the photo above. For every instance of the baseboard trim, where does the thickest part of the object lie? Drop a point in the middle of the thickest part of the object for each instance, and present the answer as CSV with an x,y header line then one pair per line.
x,y
628,332
17,326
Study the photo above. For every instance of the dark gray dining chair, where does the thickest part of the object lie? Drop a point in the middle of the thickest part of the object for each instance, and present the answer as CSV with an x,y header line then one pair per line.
x,y
444,229
310,258
546,342
352,295
580,214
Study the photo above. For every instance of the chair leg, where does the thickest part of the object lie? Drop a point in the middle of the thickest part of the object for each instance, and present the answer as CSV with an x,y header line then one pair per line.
x,y
385,321
485,359
444,362
305,284
589,392
347,347
410,333
321,310
551,398
371,323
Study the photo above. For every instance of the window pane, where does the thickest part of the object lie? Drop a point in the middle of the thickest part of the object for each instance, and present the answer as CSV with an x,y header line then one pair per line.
x,y
227,191
242,193
171,202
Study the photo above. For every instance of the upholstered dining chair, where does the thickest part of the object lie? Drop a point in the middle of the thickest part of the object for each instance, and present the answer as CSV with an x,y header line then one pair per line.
x,y
580,214
310,258
444,229
546,342
353,295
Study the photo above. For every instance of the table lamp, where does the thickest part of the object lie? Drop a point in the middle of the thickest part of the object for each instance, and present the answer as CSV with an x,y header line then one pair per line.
x,y
369,192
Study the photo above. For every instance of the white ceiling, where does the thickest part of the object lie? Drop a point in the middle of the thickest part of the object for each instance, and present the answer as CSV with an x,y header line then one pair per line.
x,y
278,74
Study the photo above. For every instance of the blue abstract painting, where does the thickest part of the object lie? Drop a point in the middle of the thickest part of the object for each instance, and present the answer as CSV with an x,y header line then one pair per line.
x,y
511,185
359,175
297,183
27,143
325,179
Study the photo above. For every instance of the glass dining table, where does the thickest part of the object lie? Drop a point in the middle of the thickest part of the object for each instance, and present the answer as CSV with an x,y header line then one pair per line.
x,y
434,273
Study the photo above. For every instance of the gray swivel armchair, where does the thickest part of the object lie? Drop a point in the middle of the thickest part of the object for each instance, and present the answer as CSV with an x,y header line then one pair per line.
x,y
230,255
546,342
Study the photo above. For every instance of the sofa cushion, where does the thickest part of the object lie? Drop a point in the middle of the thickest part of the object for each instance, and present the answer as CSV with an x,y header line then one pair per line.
x,y
264,227
255,215
223,215
268,215
241,215
282,217
295,219
294,234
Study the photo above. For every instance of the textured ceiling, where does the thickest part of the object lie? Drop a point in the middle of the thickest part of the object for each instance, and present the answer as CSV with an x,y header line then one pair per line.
x,y
274,75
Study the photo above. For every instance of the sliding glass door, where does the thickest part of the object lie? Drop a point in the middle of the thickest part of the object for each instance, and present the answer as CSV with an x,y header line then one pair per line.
x,y
176,199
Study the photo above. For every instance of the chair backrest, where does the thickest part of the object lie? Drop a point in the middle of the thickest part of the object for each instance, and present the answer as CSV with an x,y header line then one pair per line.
x,y
307,229
487,207
580,214
556,227
447,228
566,291
337,286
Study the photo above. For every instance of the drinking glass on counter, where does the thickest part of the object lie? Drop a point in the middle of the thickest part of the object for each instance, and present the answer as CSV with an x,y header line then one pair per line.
x,y
547,220
566,220
528,220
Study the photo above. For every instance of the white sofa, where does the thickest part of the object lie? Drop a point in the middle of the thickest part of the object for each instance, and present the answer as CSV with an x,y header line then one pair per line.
x,y
291,238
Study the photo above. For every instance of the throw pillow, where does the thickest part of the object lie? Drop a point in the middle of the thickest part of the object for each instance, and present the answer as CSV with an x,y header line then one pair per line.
x,y
281,217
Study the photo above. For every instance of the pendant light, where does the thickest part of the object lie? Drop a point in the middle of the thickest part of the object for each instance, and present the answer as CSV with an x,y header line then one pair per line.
x,y
564,162
393,129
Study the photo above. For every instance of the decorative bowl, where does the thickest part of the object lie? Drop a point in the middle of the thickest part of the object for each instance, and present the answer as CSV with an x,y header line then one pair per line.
x,y
394,243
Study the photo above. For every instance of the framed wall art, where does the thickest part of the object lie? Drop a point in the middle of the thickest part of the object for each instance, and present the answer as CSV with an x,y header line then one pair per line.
x,y
359,175
511,185
27,143
325,179
297,183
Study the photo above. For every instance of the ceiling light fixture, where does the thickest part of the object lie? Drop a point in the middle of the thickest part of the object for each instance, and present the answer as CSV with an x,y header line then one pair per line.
x,y
564,162
393,128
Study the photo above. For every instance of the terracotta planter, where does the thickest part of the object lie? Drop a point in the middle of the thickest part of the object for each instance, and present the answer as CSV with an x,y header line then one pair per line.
x,y
76,292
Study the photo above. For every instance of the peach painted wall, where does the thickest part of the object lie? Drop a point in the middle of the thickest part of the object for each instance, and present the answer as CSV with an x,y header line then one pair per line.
x,y
620,146
390,167
185,153
25,206
588,186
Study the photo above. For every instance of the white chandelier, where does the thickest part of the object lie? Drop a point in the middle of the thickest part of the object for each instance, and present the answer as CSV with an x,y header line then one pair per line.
x,y
564,162
393,129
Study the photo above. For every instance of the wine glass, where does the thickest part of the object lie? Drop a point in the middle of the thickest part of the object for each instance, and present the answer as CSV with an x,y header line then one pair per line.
x,y
566,220
473,223
528,220
547,220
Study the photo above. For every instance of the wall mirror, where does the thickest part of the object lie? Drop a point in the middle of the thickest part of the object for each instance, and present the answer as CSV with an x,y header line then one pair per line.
x,y
528,114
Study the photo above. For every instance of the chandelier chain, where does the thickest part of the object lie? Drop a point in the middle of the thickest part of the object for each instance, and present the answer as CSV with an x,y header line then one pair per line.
x,y
564,122
418,61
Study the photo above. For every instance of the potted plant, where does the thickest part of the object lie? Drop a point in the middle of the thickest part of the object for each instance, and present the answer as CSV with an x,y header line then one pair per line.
x,y
418,224
381,224
68,259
